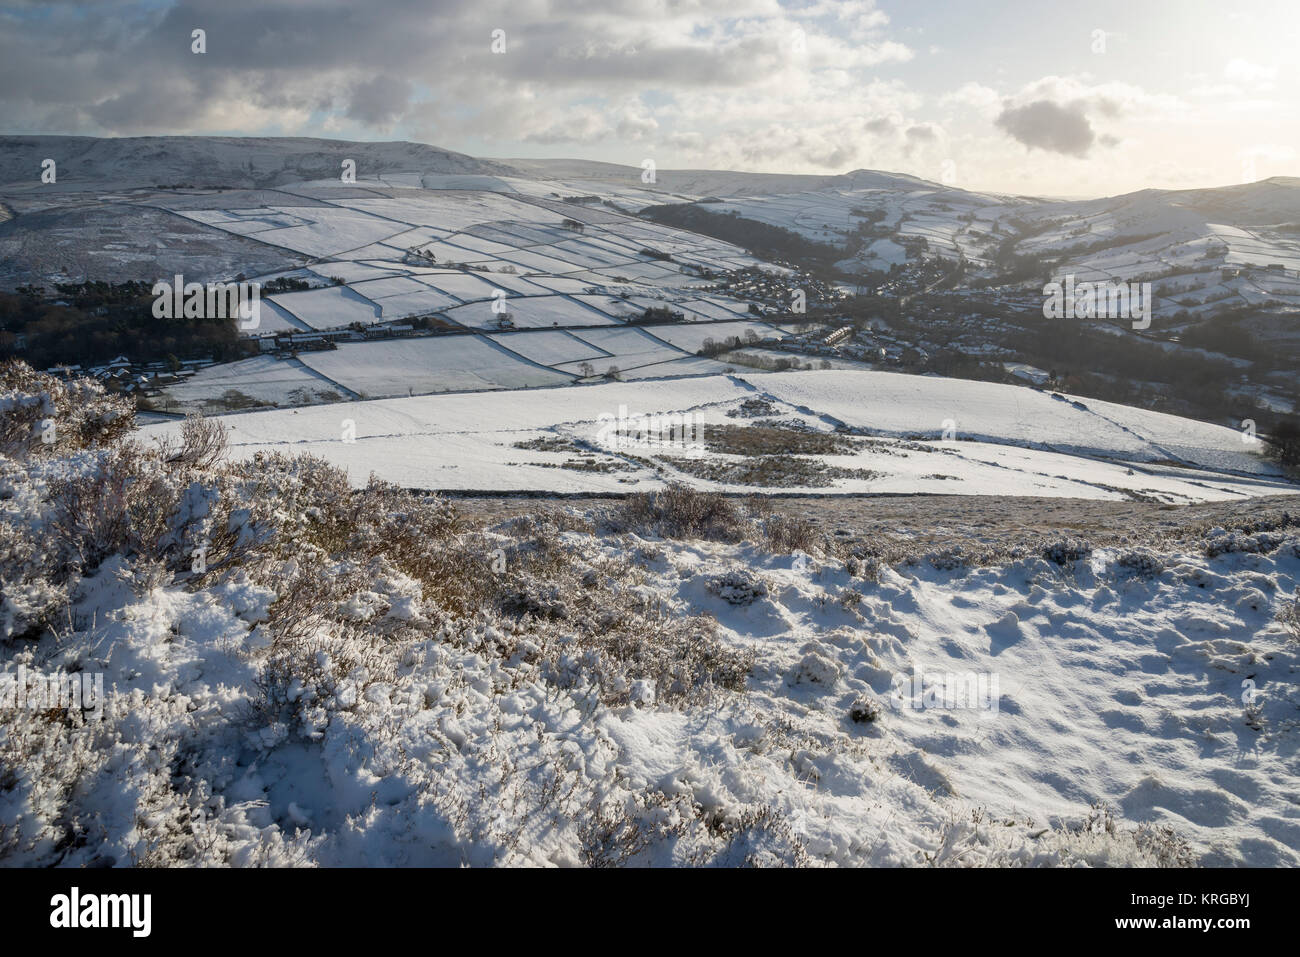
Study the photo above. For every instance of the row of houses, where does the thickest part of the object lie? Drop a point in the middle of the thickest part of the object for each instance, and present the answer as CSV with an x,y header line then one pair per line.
x,y
776,289
285,344
126,377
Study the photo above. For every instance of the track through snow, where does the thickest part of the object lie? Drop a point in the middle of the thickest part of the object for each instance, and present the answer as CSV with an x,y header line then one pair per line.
x,y
1116,689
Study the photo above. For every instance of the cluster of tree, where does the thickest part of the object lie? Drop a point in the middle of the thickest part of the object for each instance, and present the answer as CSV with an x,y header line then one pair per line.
x,y
656,254
1108,242
658,314
762,239
956,364
95,293
587,370
95,322
871,216
712,347
869,230
1017,267
1285,441
1227,333
285,284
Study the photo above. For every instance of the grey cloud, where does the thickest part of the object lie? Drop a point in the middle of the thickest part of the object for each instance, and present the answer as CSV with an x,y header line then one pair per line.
x,y
111,61
576,71
379,101
1049,126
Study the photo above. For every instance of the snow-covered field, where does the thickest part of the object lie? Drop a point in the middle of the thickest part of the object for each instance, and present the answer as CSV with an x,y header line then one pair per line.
x,y
440,364
363,237
519,359
899,434
266,380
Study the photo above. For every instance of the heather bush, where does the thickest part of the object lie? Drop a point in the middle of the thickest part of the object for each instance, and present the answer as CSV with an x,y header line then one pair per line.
x,y
41,414
1289,615
1066,550
1140,562
737,586
787,534
680,511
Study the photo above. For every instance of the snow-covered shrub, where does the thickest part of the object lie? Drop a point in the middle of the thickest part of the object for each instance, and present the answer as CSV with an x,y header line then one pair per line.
x,y
864,710
787,534
1066,550
863,567
324,655
1142,562
1161,846
753,407
760,836
1221,542
680,511
849,599
868,559
30,559
581,619
200,444
624,653
124,502
1097,841
543,601
815,667
43,414
63,518
737,586
1289,615
949,559
642,693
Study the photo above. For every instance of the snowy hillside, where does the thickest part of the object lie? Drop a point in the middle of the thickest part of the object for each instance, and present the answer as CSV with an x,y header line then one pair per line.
x,y
368,676
94,163
261,206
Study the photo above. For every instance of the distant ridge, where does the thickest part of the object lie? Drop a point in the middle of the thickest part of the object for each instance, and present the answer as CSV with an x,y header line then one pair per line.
x,y
87,162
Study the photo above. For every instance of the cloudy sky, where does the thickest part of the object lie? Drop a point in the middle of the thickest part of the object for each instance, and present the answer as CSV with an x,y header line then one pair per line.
x,y
1079,99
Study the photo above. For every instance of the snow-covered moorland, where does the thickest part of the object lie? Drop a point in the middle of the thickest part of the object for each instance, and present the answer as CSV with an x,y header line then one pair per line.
x,y
299,671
